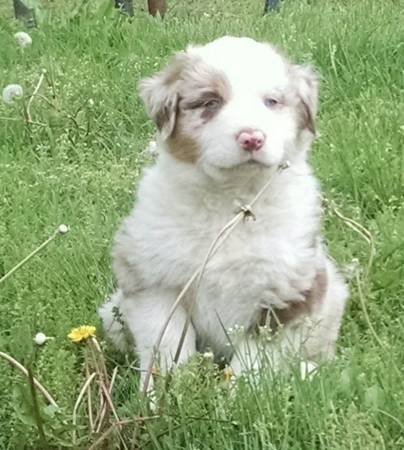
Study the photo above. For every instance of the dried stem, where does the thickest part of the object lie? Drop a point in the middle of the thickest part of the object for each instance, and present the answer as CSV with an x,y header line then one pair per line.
x,y
103,405
89,401
107,394
105,385
102,409
120,423
367,236
365,311
361,230
38,385
109,400
83,390
245,211
41,78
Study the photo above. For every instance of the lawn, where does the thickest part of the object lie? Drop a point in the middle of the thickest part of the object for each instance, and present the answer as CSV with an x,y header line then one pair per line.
x,y
78,164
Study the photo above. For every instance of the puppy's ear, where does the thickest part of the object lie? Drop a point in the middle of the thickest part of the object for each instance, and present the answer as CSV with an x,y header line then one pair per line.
x,y
306,81
160,94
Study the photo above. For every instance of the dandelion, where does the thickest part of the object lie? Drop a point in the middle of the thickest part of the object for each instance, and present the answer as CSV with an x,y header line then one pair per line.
x,y
12,92
40,338
228,373
208,355
152,149
81,333
63,229
23,39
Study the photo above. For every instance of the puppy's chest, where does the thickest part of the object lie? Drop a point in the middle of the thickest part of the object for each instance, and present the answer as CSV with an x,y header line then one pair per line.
x,y
268,236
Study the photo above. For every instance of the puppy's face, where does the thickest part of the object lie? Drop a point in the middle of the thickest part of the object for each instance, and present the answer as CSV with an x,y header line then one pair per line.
x,y
232,102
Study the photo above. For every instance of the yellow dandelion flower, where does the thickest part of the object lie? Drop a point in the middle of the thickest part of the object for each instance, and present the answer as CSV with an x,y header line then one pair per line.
x,y
81,333
228,373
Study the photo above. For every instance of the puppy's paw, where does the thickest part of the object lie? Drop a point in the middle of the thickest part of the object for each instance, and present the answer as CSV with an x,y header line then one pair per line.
x,y
308,369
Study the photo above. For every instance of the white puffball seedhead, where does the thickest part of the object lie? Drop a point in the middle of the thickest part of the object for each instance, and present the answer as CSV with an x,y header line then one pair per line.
x,y
11,93
208,355
23,39
63,229
40,338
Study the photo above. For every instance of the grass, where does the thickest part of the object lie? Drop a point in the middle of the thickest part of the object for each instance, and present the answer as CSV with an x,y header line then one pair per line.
x,y
81,166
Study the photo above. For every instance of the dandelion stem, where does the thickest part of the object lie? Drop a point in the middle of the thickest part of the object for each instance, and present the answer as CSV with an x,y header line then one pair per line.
x,y
13,119
36,411
38,385
27,258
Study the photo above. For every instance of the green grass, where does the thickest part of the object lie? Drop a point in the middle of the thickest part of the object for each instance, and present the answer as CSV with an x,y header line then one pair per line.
x,y
81,168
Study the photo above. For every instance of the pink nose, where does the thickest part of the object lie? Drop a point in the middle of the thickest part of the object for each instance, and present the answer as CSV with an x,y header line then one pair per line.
x,y
251,140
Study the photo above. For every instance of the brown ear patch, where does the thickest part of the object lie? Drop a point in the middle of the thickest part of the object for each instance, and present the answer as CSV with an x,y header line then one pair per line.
x,y
305,81
305,117
202,94
160,93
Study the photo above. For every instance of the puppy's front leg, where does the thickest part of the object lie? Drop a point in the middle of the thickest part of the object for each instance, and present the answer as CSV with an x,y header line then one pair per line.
x,y
246,356
251,352
145,314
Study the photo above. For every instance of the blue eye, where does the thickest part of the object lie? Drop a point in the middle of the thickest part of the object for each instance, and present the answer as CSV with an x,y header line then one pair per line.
x,y
270,102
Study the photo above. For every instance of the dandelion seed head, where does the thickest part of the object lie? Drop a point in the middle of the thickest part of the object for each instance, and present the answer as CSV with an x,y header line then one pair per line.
x,y
12,92
152,149
63,229
23,39
40,338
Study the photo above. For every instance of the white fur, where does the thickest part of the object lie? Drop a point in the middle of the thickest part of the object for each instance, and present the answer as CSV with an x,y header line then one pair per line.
x,y
266,263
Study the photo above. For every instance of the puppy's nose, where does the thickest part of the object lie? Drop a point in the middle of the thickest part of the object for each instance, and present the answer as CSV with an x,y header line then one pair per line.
x,y
251,140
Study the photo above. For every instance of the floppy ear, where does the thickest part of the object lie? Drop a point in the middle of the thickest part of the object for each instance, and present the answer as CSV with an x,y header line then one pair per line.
x,y
160,95
307,81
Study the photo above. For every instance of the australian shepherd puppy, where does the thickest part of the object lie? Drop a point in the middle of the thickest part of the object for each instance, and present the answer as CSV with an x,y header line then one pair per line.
x,y
229,115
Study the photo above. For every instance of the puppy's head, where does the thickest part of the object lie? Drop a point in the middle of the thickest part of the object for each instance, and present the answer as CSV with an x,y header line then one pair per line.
x,y
231,102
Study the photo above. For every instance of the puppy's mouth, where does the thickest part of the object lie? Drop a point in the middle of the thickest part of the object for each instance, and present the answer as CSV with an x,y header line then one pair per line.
x,y
255,161
248,164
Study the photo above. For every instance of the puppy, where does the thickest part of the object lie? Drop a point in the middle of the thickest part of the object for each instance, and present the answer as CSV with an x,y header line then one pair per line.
x,y
229,115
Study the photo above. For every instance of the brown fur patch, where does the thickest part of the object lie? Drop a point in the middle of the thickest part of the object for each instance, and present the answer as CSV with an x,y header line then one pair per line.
x,y
305,117
313,298
183,147
210,104
209,94
203,92
305,84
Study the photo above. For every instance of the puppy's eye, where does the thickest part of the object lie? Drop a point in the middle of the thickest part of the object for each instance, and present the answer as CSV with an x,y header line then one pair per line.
x,y
270,102
212,104
209,102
